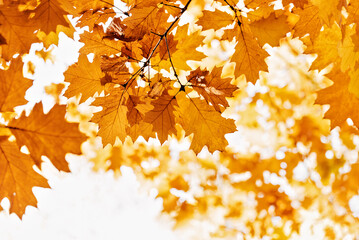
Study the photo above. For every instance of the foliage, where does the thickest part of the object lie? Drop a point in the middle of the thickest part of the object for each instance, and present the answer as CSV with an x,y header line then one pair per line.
x,y
193,71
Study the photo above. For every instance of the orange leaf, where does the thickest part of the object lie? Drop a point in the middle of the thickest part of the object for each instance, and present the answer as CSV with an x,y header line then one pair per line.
x,y
206,124
147,20
343,104
214,20
50,135
85,78
112,120
265,32
249,56
97,43
18,177
16,31
48,15
13,86
212,87
162,116
326,46
309,21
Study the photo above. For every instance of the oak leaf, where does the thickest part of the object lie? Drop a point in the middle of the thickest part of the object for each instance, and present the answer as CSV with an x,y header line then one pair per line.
x,y
115,69
309,21
329,10
326,46
260,9
48,134
162,117
85,78
78,7
212,87
16,31
343,104
48,15
98,43
249,55
206,124
297,3
13,86
147,20
187,51
18,177
92,18
346,49
112,120
265,32
214,20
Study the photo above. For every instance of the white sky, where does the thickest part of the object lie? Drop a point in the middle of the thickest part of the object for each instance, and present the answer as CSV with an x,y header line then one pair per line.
x,y
88,205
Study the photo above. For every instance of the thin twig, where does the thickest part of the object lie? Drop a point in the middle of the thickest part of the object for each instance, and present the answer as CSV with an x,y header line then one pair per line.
x,y
173,67
235,10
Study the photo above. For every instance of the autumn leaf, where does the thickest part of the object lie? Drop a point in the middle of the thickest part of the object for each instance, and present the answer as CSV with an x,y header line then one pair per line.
x,y
48,15
215,20
264,31
97,42
79,6
249,56
48,134
112,120
212,87
85,78
309,21
346,50
92,18
329,10
159,71
261,8
188,51
115,69
162,117
297,3
18,177
342,103
13,86
16,31
326,46
207,125
144,21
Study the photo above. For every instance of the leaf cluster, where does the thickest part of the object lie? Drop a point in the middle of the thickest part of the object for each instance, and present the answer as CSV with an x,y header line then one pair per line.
x,y
162,68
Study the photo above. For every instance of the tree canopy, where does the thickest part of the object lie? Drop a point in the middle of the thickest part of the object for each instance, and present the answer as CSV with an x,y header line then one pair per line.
x,y
279,80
